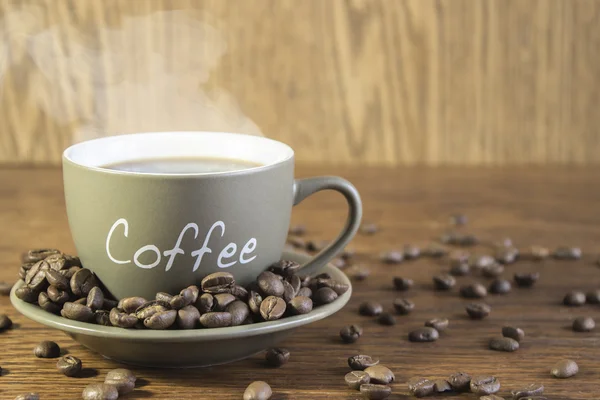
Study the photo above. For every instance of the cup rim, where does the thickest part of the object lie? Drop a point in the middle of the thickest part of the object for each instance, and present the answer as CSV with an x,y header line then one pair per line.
x,y
68,158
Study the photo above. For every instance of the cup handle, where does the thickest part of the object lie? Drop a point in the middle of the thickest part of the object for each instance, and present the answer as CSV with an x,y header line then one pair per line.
x,y
304,188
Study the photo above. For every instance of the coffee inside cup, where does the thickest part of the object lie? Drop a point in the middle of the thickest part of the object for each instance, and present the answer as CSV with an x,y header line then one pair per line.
x,y
182,165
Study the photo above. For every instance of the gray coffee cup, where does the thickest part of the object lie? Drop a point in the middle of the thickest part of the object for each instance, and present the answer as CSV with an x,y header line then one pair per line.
x,y
144,233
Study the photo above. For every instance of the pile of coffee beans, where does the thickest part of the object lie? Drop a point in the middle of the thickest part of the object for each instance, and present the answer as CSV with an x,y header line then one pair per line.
x,y
59,284
369,377
117,382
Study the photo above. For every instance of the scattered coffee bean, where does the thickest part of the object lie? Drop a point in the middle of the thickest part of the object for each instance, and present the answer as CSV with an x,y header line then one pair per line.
x,y
439,324
411,252
482,261
217,282
100,391
459,257
441,386
221,301
150,308
276,357
239,312
478,310
444,282
258,390
54,278
47,305
484,385
493,270
574,299
583,324
506,255
380,374
300,304
120,319
526,279
402,284
122,379
270,284
95,299
392,257
567,253
358,272
161,320
28,396
473,291
36,255
460,381
77,312
272,308
425,334
386,319
565,369
130,304
368,228
5,322
533,389
375,392
514,333
5,288
284,267
356,378
434,250
593,297
370,308
403,306
206,302
46,349
460,269
304,292
83,281
420,387
362,362
504,344
188,317
215,319
351,333
500,286
297,230
491,397
539,253
325,295
69,365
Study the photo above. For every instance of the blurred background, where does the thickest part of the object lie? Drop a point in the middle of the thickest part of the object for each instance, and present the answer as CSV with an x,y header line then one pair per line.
x,y
372,82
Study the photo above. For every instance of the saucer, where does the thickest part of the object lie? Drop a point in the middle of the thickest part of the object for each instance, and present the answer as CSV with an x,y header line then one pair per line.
x,y
185,348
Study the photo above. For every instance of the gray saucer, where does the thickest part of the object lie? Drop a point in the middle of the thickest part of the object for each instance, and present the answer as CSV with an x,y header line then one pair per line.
x,y
185,348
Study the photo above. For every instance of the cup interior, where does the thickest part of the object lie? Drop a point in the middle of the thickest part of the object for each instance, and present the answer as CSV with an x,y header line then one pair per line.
x,y
101,152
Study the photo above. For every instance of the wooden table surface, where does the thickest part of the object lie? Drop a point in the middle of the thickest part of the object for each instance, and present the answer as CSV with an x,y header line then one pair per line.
x,y
548,206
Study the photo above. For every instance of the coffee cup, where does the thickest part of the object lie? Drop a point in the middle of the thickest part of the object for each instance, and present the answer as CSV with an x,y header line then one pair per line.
x,y
156,212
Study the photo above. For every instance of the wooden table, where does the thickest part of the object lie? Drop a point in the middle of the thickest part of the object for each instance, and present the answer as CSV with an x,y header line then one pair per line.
x,y
549,206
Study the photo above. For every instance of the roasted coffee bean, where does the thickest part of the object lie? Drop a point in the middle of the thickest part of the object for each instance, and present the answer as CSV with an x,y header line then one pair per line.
x,y
217,282
188,317
507,255
95,298
284,267
380,374
77,312
504,344
68,273
460,269
83,281
28,396
574,299
361,362
82,301
370,308
351,333
392,257
482,261
386,319
491,397
47,305
102,317
161,320
338,287
411,251
57,262
434,250
72,261
109,304
121,378
121,319
37,274
439,324
206,303
162,296
150,308
420,387
375,392
444,282
567,253
254,300
294,282
368,228
514,333
538,253
473,291
258,390
100,391
22,273
215,319
240,292
304,292
533,389
478,310
69,365
402,284
441,386
272,308
276,356
593,297
316,245
500,286
270,284
27,294
485,385
565,369
403,306
36,255
288,291
46,349
5,322
300,305
425,334
131,304
356,378
464,240
190,294
58,296
358,272
460,382
583,324
222,300
56,279
492,271
525,279
325,295
239,312
297,230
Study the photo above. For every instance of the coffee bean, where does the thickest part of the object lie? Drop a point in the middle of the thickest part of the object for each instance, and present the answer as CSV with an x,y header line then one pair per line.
x,y
68,273
121,319
82,301
297,230
370,308
434,250
270,284
504,344
411,251
100,391
356,378
215,319
161,320
254,300
358,272
205,303
420,387
441,386
122,379
492,271
109,304
272,308
439,324
514,333
593,297
525,279
46,349
506,255
473,291
58,296
316,245
83,281
485,385
567,253
533,389
162,296
5,322
583,324
361,362
386,319
288,291
77,312
276,357
444,282
338,287
574,299
131,304
222,300
217,282
460,269
178,301
380,374
351,333
36,255
425,334
481,262
392,257
368,228
57,262
56,279
402,284
47,305
500,286
460,381
403,306
304,292
36,276
28,396
325,295
5,288
375,392
258,390
464,240
538,253
102,317
491,397
188,317
478,310
190,294
284,267
239,312
565,369
300,304
95,298
69,365
150,308
240,292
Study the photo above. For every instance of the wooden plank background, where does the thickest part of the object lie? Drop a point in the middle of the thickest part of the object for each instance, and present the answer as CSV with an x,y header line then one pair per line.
x,y
376,82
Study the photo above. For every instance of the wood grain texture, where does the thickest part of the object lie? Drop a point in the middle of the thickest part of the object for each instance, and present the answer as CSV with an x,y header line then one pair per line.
x,y
557,208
